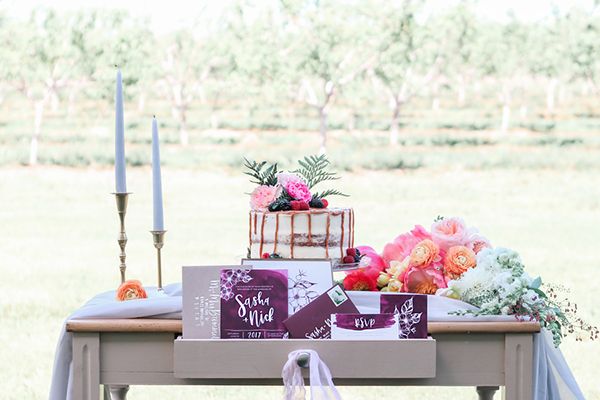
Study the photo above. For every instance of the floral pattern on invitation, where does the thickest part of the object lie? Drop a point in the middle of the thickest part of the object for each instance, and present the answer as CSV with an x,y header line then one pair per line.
x,y
300,293
230,278
407,319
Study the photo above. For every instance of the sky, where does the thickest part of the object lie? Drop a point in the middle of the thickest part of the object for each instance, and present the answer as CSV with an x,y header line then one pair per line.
x,y
170,15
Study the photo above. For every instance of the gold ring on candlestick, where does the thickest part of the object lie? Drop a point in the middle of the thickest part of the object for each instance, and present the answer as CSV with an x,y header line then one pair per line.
x,y
158,238
122,199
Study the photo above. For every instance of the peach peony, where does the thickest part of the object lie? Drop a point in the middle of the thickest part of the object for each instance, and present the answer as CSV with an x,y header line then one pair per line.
x,y
449,232
131,290
458,259
424,281
424,253
262,196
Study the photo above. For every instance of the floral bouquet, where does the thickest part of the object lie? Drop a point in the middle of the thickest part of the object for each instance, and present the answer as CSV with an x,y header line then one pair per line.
x,y
456,261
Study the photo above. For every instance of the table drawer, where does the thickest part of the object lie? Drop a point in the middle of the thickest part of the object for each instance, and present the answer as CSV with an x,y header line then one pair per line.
x,y
264,359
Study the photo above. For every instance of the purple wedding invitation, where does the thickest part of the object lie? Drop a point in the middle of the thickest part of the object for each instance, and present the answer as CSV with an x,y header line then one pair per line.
x,y
254,303
313,321
411,310
364,326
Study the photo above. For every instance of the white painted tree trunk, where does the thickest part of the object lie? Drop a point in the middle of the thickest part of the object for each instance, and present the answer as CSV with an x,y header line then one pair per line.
x,y
323,130
37,129
395,125
505,118
551,95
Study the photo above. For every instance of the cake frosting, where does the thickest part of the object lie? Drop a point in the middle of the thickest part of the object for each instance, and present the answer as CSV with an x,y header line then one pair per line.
x,y
313,233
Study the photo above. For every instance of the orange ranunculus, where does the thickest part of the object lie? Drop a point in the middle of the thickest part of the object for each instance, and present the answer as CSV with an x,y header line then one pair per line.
x,y
424,253
130,290
458,259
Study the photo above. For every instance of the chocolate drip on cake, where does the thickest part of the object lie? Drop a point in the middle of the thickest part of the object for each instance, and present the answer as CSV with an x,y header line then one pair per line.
x,y
250,230
310,228
262,233
255,216
342,239
292,237
276,233
327,236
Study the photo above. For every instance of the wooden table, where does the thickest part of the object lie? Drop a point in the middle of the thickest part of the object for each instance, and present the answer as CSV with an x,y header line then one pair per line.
x,y
117,353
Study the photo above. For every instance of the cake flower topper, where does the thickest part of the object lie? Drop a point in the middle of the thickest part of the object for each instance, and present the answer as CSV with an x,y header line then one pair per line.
x,y
283,191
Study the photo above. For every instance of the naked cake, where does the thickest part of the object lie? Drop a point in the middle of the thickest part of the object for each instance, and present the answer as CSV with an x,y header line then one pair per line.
x,y
289,219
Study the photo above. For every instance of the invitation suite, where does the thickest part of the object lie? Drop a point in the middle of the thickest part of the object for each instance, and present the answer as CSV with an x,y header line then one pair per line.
x,y
307,279
314,320
365,326
254,303
201,289
411,310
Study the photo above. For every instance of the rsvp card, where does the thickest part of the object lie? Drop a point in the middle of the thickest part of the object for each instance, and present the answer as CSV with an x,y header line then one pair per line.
x,y
254,303
364,326
411,310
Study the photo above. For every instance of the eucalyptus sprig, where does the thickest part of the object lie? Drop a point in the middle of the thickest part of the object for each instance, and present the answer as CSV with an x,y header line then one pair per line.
x,y
262,174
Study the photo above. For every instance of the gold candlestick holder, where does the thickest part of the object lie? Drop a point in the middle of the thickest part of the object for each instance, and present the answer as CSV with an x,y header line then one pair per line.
x,y
158,239
122,199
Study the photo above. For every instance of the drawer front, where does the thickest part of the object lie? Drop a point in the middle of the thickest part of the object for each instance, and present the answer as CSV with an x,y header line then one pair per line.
x,y
264,359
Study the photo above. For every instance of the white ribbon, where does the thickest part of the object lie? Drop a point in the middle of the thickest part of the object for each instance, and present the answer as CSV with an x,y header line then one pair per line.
x,y
321,383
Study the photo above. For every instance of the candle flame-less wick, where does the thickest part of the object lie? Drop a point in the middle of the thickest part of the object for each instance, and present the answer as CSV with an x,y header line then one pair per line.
x,y
154,116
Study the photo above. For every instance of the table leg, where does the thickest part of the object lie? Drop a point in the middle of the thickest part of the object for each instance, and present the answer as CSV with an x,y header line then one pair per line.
x,y
86,366
486,392
518,366
115,392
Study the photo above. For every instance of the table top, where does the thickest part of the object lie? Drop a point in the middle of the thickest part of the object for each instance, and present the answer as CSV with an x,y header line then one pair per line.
x,y
175,325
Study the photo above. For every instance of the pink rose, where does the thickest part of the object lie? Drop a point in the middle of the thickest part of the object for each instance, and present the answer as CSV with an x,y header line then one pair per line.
x,y
262,196
299,191
370,258
401,247
449,232
477,242
284,178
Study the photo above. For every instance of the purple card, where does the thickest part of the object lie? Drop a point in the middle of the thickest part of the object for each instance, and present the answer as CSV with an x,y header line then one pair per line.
x,y
313,321
254,304
364,326
412,313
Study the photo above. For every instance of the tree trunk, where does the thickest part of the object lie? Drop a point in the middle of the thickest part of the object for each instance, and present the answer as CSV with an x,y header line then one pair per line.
x,y
184,137
395,124
37,128
461,94
71,103
323,129
505,124
551,95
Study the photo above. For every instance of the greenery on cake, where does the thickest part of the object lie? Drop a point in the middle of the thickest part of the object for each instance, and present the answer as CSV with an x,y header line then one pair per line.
x,y
283,191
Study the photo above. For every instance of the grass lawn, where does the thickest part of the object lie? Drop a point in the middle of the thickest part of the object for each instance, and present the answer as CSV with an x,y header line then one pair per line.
x,y
59,248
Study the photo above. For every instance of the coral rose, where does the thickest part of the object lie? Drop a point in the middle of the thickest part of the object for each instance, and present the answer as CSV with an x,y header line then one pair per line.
x,y
359,280
262,196
458,259
402,245
449,232
424,253
131,290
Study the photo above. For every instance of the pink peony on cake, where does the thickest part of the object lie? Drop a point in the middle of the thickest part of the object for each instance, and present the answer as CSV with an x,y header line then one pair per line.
x,y
289,219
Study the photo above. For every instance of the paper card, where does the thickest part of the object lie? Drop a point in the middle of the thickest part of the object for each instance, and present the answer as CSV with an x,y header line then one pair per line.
x,y
412,313
364,326
201,289
307,279
314,320
254,304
